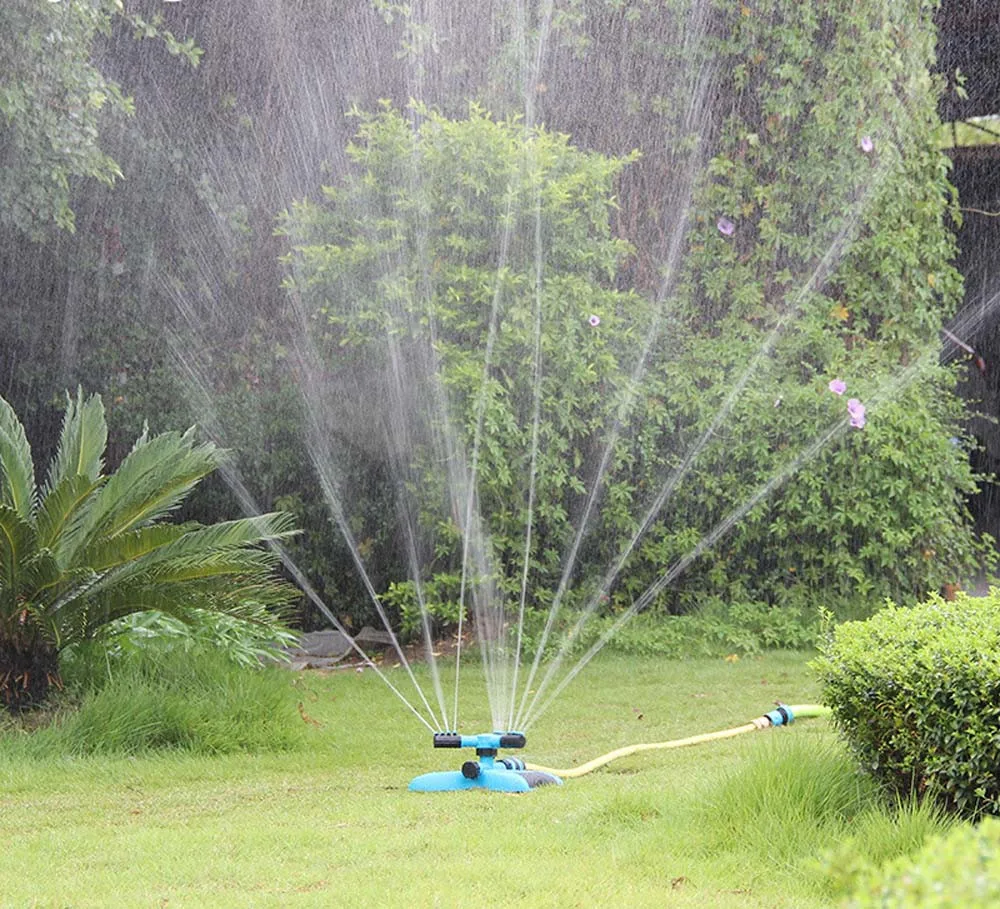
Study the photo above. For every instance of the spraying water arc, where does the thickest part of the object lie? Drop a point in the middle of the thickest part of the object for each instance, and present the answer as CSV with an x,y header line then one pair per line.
x,y
543,342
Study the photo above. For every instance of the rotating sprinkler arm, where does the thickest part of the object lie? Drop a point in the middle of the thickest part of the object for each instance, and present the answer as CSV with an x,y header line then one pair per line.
x,y
488,741
782,715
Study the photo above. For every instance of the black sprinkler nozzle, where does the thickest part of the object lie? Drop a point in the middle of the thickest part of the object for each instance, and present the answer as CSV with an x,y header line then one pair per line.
x,y
470,770
486,742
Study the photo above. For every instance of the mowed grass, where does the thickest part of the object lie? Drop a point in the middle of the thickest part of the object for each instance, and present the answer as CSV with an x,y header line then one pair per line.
x,y
750,822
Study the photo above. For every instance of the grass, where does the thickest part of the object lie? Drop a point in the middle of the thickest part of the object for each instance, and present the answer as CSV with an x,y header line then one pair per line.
x,y
765,819
196,702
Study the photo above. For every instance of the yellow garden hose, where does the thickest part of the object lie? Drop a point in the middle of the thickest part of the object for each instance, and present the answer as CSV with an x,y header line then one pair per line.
x,y
782,715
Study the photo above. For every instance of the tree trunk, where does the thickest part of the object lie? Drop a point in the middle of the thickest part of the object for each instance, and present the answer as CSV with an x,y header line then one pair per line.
x,y
27,672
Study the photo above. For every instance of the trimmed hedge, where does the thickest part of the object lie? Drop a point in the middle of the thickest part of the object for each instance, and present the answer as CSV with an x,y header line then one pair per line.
x,y
916,692
960,868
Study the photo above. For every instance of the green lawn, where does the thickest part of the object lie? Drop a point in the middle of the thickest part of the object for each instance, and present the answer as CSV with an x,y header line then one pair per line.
x,y
334,824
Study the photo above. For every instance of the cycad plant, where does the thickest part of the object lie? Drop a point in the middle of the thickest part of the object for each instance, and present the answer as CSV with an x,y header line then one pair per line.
x,y
85,548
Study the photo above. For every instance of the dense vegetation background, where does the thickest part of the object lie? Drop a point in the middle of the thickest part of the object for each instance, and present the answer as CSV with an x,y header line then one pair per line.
x,y
787,209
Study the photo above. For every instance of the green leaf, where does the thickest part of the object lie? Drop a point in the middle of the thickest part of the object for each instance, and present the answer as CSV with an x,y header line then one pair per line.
x,y
18,547
152,481
82,441
17,471
63,511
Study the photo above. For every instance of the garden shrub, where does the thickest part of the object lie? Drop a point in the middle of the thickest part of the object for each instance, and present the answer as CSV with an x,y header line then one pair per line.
x,y
244,641
959,868
835,262
916,693
423,262
714,629
438,604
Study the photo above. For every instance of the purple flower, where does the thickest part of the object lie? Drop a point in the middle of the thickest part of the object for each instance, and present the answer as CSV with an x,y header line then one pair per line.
x,y
837,386
867,144
594,321
857,411
726,227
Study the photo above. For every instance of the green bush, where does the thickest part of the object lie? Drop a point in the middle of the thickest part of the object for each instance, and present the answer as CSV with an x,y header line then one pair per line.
x,y
960,868
716,628
916,692
452,240
244,641
436,601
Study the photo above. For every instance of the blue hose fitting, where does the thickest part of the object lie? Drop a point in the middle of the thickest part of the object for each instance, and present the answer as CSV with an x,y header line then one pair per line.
x,y
781,716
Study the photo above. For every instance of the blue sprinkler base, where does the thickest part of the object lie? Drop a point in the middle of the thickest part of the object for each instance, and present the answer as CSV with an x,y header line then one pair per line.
x,y
488,772
494,780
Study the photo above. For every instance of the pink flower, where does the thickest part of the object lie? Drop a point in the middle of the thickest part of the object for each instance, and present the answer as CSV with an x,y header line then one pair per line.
x,y
857,411
837,386
726,227
867,144
594,321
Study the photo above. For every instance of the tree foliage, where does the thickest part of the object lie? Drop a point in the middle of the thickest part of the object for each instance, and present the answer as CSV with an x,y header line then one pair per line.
x,y
464,273
819,248
53,101
806,125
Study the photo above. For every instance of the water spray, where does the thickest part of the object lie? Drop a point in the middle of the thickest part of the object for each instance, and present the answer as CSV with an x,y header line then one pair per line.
x,y
487,771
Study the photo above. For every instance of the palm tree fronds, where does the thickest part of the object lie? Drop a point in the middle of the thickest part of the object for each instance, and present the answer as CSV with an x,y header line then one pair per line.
x,y
94,549
44,576
151,482
76,587
186,555
129,547
18,546
186,566
242,532
62,511
143,550
82,441
17,470
242,597
218,563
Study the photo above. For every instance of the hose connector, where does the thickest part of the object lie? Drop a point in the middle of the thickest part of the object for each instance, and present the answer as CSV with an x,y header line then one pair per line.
x,y
782,715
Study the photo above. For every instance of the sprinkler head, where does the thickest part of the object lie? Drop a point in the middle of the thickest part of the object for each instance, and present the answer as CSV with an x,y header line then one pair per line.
x,y
487,741
488,772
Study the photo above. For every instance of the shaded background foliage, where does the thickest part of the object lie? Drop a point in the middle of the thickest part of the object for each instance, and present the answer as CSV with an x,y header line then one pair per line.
x,y
167,296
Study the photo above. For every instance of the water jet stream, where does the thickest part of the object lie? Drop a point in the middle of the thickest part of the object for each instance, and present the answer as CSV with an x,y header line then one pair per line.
x,y
211,425
888,390
507,684
819,274
690,126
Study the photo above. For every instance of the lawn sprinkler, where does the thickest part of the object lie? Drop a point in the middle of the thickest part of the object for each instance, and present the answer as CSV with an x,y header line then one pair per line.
x,y
487,771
